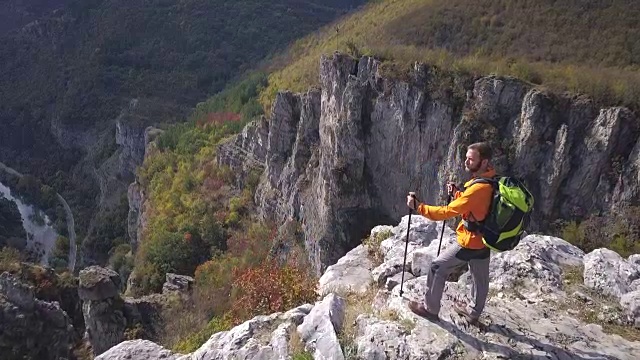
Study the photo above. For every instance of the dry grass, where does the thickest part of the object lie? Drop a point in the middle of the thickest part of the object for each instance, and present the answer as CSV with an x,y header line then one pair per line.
x,y
357,304
574,281
480,38
363,304
372,243
296,346
188,323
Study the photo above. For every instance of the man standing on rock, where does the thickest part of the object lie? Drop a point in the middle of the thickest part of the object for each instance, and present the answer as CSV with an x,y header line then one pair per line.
x,y
473,205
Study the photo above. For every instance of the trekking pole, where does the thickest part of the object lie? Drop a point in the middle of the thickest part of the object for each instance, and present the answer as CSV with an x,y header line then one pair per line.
x,y
406,243
443,223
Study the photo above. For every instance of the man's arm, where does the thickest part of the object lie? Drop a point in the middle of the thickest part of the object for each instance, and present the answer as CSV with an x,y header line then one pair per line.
x,y
467,201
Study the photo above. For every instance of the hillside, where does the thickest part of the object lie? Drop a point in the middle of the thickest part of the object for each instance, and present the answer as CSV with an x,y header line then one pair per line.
x,y
65,78
586,47
17,13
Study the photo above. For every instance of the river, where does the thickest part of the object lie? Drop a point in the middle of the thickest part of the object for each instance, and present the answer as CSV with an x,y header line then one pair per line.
x,y
39,235
43,234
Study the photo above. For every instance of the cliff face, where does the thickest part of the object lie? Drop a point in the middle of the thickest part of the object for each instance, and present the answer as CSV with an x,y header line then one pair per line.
x,y
342,158
136,220
31,328
114,174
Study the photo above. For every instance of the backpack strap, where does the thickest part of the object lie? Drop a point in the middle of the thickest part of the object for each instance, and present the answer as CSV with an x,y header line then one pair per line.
x,y
485,180
473,225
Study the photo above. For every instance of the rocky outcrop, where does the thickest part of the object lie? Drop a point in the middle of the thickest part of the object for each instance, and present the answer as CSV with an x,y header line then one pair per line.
x,y
135,216
177,283
102,307
263,337
342,158
130,135
108,316
29,327
111,162
610,274
137,349
542,303
246,153
136,220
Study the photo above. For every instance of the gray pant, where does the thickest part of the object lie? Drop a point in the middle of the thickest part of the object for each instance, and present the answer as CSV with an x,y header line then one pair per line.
x,y
453,257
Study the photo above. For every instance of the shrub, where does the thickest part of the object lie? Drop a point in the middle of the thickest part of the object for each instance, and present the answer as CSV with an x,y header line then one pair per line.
x,y
121,261
372,243
618,230
10,259
269,288
195,340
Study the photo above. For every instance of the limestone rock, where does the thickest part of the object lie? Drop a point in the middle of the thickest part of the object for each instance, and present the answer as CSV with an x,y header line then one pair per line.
x,y
136,198
105,323
630,302
137,349
319,330
609,273
532,312
29,327
380,339
179,283
260,338
538,260
352,273
145,314
98,283
130,136
102,307
16,292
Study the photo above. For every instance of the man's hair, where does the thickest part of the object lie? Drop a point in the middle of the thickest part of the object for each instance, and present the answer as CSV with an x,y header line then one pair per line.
x,y
483,149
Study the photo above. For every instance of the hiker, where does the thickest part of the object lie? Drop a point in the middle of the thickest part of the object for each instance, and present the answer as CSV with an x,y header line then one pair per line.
x,y
473,204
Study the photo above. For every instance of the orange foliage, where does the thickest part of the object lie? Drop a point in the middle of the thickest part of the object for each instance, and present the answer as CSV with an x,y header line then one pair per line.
x,y
218,118
269,288
252,243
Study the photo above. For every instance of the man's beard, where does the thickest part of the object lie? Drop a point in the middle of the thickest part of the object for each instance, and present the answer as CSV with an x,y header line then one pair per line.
x,y
473,170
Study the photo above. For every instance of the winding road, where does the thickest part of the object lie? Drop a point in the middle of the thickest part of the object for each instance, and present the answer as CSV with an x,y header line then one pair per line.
x,y
71,229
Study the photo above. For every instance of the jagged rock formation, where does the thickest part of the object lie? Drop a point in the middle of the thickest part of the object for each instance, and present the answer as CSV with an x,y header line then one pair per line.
x,y
102,307
342,158
130,134
177,283
136,221
29,327
108,316
112,163
544,301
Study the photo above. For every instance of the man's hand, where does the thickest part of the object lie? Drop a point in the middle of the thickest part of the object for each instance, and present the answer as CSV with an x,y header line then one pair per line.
x,y
451,188
411,201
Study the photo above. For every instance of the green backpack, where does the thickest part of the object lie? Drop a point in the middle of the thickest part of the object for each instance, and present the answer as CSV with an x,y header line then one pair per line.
x,y
509,213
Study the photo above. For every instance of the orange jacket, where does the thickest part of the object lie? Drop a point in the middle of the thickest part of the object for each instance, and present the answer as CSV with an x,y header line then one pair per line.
x,y
474,200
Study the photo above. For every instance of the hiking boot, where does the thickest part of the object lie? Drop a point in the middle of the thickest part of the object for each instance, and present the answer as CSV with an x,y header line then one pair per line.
x,y
420,310
461,309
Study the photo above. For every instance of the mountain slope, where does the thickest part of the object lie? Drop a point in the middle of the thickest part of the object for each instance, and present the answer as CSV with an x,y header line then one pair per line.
x,y
589,47
65,78
17,13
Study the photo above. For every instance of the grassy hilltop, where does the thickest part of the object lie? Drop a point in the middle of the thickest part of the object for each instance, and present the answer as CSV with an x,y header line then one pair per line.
x,y
590,47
